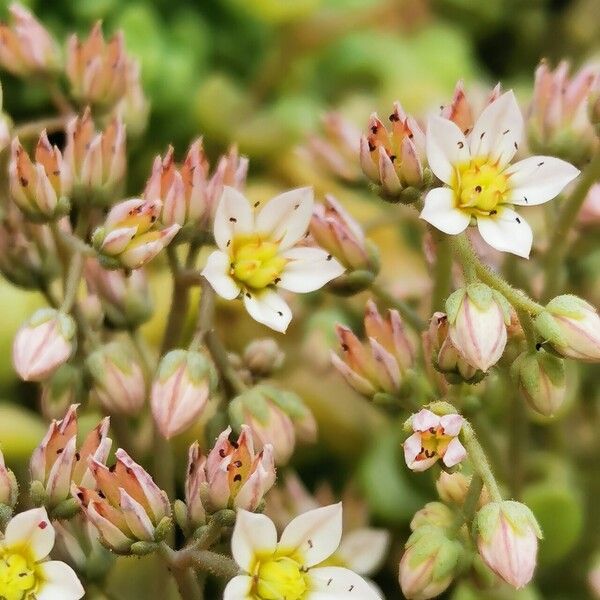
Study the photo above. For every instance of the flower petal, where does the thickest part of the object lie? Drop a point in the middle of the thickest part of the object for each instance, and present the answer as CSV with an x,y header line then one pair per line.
x,y
452,424
507,231
337,583
286,217
424,420
32,529
216,271
314,535
268,308
59,582
363,550
233,217
498,130
238,588
412,447
439,210
446,147
253,533
455,453
538,179
308,270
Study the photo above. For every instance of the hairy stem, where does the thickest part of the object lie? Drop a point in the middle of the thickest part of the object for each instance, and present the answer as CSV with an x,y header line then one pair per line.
x,y
32,129
559,241
442,273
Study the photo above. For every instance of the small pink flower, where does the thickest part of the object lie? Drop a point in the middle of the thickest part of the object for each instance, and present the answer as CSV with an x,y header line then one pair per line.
x,y
434,438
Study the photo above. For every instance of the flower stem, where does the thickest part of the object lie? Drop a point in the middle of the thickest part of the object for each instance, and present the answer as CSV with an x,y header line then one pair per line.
x,y
465,253
179,305
558,245
184,576
472,499
214,563
480,461
442,273
528,328
406,311
32,129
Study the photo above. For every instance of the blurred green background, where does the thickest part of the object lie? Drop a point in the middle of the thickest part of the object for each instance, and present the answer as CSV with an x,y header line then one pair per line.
x,y
261,73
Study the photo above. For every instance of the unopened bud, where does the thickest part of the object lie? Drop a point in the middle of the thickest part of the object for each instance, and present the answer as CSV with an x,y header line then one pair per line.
x,y
181,389
572,327
118,379
429,563
40,189
507,539
436,514
478,317
129,237
541,379
9,488
263,357
454,487
43,344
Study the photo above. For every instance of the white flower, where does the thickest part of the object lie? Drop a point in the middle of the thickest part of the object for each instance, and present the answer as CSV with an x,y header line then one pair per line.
x,y
482,185
257,253
24,572
434,437
286,569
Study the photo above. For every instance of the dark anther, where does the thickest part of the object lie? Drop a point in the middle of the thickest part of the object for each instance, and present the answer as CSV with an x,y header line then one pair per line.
x,y
505,132
393,157
237,477
461,145
248,295
112,468
233,219
394,117
540,164
518,220
222,453
280,313
372,146
538,346
256,204
478,188
329,257
374,129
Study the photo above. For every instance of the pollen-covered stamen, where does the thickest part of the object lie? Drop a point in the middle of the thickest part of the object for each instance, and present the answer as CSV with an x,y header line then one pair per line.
x,y
434,442
480,186
255,262
17,576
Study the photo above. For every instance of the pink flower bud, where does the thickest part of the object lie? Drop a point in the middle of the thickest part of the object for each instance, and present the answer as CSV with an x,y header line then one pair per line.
x,y
541,379
507,539
27,251
262,357
127,506
231,476
334,230
41,188
129,238
57,462
429,563
453,488
394,158
97,70
589,215
572,326
96,159
558,121
378,366
275,417
9,488
336,150
181,389
27,47
43,344
464,110
125,299
478,317
118,379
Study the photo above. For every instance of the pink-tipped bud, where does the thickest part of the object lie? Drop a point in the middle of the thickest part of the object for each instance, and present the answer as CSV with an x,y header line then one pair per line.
x,y
128,506
540,377
507,539
96,159
429,563
129,237
184,382
572,327
263,357
434,437
125,299
57,462
118,379
464,110
9,488
478,317
43,344
394,157
558,119
97,70
376,367
41,188
334,230
27,48
233,475
453,488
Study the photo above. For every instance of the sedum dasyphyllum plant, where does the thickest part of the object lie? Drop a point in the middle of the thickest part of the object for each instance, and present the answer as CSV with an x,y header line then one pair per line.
x,y
237,522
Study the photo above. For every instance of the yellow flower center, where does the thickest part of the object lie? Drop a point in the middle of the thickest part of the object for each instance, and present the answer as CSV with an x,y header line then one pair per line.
x,y
18,579
280,578
480,186
255,262
433,442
